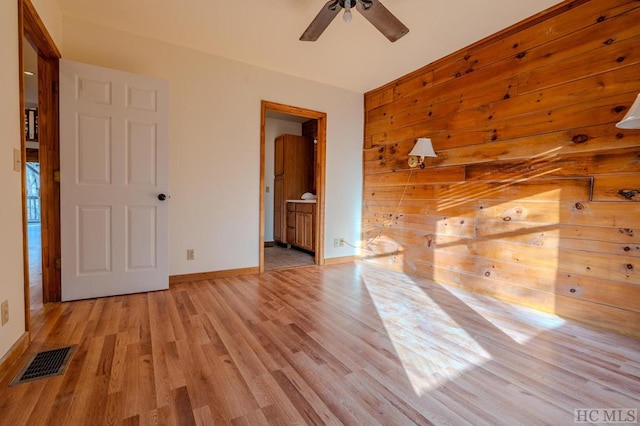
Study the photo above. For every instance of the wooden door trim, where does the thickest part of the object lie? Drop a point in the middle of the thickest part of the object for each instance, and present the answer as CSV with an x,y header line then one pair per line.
x,y
321,117
35,31
31,27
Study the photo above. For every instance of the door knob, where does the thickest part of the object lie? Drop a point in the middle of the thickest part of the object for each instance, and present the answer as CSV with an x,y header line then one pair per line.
x,y
162,197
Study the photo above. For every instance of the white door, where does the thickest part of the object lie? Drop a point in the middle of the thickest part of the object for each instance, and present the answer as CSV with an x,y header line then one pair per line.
x,y
113,170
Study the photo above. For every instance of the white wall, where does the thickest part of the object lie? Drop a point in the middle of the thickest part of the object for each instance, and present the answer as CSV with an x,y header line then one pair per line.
x,y
214,152
11,259
272,129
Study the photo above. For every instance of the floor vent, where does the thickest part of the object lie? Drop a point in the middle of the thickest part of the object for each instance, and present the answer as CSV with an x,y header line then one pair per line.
x,y
45,364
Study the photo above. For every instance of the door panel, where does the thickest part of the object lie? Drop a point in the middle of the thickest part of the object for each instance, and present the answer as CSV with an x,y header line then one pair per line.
x,y
141,237
93,227
93,162
141,153
113,155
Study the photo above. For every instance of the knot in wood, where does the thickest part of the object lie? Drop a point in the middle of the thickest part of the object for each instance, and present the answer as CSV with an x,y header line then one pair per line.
x,y
627,231
429,238
581,138
629,194
579,206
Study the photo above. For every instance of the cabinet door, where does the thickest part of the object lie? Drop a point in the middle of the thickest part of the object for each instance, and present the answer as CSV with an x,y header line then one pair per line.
x,y
291,225
278,211
308,232
278,163
300,229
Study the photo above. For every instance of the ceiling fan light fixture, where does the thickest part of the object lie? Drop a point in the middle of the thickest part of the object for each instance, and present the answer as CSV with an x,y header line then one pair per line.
x,y
347,16
372,10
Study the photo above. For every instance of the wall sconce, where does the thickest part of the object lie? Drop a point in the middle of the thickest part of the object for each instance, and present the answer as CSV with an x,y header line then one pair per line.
x,y
421,149
632,119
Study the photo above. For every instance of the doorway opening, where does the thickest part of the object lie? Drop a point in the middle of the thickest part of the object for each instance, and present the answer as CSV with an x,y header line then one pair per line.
x,y
38,68
292,179
32,176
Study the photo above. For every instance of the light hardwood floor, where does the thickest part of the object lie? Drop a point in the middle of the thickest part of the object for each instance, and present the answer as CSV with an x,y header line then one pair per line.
x,y
349,343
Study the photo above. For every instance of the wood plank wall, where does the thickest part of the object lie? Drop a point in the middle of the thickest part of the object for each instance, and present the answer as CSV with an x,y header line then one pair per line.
x,y
524,200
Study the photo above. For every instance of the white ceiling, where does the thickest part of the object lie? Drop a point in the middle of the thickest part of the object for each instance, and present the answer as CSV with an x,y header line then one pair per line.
x,y
265,33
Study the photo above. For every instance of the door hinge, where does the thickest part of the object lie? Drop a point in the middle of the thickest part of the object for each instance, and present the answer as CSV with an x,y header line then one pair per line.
x,y
54,87
58,263
56,175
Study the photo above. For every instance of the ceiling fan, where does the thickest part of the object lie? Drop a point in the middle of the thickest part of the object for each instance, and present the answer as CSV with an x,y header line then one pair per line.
x,y
378,15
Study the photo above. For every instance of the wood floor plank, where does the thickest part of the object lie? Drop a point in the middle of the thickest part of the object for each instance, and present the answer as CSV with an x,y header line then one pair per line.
x,y
306,400
341,344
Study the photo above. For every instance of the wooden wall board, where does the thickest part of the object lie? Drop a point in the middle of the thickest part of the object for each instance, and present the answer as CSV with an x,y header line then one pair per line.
x,y
624,188
547,42
620,161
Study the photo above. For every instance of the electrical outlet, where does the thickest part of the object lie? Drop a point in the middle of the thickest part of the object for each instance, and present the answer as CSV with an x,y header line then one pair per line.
x,y
191,254
4,308
266,189
336,242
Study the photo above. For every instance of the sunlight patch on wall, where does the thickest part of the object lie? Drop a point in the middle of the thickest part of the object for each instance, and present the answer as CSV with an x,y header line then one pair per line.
x,y
388,252
508,250
506,317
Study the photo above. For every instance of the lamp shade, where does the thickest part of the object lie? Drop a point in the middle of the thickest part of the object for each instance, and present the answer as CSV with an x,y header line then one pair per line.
x,y
423,148
632,119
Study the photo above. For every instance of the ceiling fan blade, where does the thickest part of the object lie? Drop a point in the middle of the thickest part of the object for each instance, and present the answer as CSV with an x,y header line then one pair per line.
x,y
321,21
382,19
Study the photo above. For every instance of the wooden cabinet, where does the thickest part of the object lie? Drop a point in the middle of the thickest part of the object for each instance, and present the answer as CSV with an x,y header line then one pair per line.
x,y
293,168
301,219
278,201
